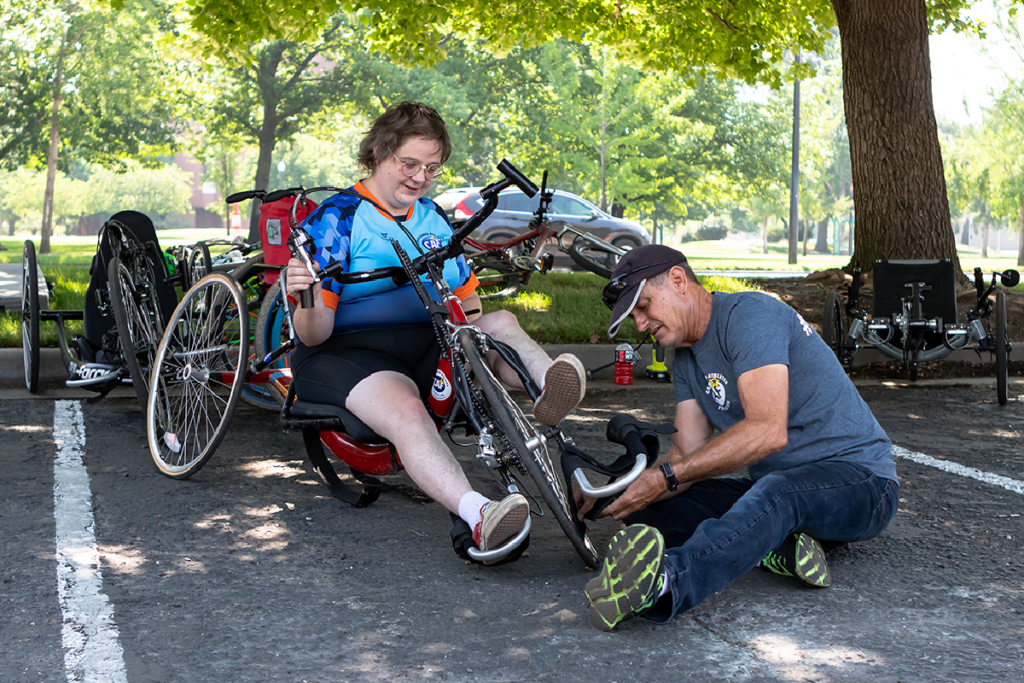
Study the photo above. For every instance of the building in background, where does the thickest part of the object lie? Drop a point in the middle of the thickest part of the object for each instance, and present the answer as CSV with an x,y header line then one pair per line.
x,y
207,204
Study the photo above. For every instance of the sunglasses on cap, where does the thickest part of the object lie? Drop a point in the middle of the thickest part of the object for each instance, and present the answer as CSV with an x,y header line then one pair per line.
x,y
612,290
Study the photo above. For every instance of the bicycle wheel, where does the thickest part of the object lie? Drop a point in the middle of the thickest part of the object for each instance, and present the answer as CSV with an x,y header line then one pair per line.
x,y
595,255
497,279
195,387
1002,362
272,330
137,317
200,264
30,316
519,436
496,285
249,277
832,331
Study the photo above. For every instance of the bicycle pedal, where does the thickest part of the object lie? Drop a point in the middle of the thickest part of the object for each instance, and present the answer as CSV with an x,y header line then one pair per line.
x,y
527,263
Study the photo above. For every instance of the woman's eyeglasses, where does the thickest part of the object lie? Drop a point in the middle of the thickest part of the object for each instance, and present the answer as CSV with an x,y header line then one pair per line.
x,y
410,167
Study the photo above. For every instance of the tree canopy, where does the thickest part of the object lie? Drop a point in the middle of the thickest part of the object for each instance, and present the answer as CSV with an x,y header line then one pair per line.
x,y
743,40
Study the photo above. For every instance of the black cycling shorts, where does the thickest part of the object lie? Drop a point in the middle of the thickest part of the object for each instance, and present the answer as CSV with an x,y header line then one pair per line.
x,y
328,372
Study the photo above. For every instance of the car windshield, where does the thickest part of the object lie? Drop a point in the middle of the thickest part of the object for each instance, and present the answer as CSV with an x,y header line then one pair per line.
x,y
516,201
569,206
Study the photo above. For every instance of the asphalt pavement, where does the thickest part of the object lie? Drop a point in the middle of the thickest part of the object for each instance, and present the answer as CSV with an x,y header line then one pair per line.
x,y
250,571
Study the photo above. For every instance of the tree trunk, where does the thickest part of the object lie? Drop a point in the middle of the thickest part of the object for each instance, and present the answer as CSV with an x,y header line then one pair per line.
x,y
51,157
821,247
899,186
262,180
965,234
764,236
1020,236
986,227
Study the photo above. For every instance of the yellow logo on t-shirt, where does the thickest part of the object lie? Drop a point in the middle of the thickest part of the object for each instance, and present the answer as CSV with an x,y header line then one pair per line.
x,y
716,389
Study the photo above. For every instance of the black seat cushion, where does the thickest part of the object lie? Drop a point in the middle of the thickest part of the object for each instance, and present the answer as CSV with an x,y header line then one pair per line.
x,y
891,278
352,425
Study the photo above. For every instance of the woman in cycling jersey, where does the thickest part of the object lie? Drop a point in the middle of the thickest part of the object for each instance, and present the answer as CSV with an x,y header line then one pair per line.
x,y
371,347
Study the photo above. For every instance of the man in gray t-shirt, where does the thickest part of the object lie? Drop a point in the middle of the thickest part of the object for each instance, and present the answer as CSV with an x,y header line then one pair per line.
x,y
756,388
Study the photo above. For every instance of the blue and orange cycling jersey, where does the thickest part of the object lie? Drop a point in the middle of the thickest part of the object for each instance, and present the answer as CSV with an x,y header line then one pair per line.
x,y
355,233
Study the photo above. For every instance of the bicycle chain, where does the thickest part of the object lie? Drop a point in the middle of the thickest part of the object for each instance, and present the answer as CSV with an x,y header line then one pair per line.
x,y
507,454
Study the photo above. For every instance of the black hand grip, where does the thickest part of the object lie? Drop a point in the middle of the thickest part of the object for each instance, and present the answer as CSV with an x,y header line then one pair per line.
x,y
242,196
281,194
306,298
979,282
517,178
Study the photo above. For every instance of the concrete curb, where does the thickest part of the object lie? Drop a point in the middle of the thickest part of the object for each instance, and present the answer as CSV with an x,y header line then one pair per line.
x,y
53,373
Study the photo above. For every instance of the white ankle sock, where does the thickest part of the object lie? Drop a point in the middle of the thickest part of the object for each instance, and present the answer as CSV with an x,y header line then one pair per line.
x,y
665,588
469,507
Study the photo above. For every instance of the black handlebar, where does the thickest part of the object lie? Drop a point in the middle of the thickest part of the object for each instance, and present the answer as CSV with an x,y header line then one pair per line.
x,y
242,196
298,238
517,178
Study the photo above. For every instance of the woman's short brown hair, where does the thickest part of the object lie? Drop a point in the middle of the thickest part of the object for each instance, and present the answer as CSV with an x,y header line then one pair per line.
x,y
400,122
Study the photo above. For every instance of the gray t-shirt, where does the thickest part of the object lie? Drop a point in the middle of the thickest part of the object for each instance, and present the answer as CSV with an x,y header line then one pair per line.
x,y
827,417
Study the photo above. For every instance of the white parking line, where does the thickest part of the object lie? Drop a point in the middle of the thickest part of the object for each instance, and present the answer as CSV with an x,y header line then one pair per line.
x,y
964,471
92,649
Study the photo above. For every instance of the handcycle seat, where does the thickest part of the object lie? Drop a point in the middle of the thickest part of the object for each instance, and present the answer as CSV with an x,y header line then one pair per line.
x,y
890,288
330,416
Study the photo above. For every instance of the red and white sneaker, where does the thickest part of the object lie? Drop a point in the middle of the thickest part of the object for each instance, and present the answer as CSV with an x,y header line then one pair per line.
x,y
502,519
565,384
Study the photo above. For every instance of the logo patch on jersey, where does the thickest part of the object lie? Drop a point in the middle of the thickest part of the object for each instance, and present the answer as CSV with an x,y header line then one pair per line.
x,y
716,389
431,242
441,389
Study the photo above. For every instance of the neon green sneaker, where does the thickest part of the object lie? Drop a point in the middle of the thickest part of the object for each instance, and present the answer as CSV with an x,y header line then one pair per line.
x,y
631,577
802,557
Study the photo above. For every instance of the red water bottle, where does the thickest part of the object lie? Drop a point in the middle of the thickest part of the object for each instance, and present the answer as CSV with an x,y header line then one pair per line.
x,y
624,358
441,394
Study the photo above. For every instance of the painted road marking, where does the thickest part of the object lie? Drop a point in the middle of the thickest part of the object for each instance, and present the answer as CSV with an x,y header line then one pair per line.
x,y
92,646
964,471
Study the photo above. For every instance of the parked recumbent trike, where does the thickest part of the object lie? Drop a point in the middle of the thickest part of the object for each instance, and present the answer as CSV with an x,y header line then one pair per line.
x,y
914,317
130,295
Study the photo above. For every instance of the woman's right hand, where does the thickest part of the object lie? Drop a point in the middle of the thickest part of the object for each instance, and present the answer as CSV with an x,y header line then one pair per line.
x,y
298,279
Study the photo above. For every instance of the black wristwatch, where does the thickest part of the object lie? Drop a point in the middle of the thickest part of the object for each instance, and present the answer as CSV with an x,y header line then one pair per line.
x,y
670,476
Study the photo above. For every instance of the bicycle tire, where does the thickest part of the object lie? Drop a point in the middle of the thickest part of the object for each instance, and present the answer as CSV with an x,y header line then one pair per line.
x,y
1002,360
187,415
514,426
272,331
597,256
200,264
136,316
832,328
249,276
30,316
497,285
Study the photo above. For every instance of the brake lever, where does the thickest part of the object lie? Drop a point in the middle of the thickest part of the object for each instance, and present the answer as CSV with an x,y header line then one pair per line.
x,y
298,241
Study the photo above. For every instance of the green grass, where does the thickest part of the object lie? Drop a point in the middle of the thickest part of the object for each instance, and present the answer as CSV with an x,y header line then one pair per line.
x,y
75,249
69,285
556,308
566,308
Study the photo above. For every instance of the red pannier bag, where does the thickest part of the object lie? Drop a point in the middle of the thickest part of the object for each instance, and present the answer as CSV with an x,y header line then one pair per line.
x,y
274,230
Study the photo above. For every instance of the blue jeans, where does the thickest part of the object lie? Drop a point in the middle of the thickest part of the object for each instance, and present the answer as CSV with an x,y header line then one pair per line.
x,y
719,529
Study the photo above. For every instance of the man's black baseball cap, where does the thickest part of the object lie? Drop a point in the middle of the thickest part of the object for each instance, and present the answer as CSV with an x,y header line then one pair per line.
x,y
629,276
